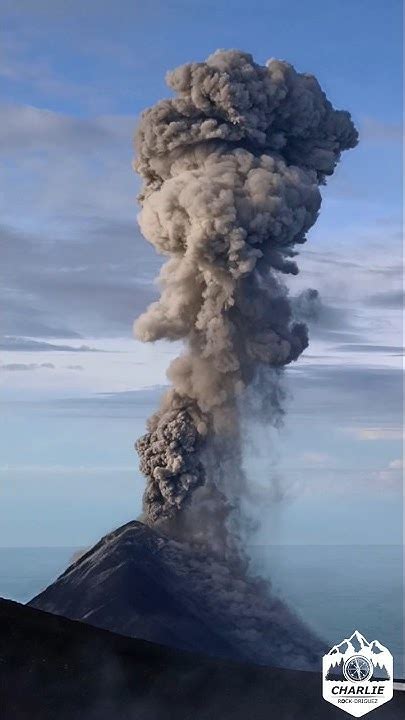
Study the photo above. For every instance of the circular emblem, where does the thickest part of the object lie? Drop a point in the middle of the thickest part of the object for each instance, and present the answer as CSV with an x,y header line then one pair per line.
x,y
358,668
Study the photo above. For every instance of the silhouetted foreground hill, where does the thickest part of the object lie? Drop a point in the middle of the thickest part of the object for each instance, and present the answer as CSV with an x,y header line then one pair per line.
x,y
52,668
143,584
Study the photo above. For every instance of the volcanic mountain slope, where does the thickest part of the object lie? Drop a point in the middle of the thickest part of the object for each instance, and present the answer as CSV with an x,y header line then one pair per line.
x,y
145,585
54,669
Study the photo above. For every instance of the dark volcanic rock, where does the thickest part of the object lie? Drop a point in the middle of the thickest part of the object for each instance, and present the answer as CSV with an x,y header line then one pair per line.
x,y
55,669
145,585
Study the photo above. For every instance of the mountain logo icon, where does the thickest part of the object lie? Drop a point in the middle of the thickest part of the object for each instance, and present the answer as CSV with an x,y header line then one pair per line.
x,y
357,675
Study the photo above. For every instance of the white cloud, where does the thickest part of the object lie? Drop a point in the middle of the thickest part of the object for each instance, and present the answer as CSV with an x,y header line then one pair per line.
x,y
396,465
376,433
316,459
392,475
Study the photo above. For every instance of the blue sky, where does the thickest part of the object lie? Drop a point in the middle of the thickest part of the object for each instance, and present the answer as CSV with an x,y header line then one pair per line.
x,y
77,387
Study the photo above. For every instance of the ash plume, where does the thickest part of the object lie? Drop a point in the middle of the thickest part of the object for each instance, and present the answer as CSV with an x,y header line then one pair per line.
x,y
231,168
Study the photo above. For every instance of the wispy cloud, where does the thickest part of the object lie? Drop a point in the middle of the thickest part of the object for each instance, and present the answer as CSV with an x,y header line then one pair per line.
x,y
369,348
392,475
71,287
316,459
373,129
66,469
396,464
337,482
388,299
11,367
376,433
25,64
81,244
26,344
28,128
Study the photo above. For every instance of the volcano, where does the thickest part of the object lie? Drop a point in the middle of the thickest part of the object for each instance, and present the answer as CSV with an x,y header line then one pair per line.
x,y
142,584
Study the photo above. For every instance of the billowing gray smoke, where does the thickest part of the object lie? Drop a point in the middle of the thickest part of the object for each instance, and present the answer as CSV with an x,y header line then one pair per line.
x,y
231,168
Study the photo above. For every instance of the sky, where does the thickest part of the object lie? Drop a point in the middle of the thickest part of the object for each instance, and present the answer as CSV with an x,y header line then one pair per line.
x,y
76,386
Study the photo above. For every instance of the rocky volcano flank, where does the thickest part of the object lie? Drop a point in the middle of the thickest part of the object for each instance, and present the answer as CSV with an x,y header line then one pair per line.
x,y
55,669
145,585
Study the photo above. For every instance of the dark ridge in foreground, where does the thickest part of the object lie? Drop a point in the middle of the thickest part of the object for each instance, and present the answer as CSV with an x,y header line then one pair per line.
x,y
145,585
52,668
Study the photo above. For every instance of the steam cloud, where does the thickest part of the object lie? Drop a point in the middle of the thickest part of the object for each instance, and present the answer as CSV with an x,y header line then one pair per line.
x,y
231,169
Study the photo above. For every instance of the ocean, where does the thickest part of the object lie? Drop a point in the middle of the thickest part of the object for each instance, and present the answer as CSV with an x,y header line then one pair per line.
x,y
24,572
336,589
